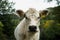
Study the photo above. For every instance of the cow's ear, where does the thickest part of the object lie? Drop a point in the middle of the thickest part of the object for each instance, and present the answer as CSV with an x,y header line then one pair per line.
x,y
20,13
43,13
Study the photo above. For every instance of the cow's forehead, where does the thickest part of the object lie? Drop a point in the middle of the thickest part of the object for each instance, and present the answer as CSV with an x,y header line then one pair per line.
x,y
32,12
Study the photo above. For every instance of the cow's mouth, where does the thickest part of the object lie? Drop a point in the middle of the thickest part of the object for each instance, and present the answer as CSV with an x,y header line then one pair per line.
x,y
32,31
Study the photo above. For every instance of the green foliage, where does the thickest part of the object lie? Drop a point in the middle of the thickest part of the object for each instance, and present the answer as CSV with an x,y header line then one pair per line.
x,y
6,7
8,20
51,25
58,1
7,26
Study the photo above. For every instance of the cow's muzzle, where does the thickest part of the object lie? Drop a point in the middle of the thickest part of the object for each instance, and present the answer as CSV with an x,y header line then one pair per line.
x,y
32,28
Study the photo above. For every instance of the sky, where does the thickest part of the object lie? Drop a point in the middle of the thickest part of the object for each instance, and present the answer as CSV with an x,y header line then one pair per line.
x,y
37,4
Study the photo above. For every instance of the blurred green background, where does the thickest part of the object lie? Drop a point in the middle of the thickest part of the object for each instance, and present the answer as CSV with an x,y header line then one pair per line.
x,y
50,25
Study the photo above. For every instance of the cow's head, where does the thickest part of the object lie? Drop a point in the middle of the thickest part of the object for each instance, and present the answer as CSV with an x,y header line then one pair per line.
x,y
32,17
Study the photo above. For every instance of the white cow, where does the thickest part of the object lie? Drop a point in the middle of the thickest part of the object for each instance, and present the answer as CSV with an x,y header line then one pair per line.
x,y
28,28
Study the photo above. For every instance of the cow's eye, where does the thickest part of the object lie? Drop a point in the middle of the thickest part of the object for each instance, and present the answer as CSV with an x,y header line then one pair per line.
x,y
38,18
26,17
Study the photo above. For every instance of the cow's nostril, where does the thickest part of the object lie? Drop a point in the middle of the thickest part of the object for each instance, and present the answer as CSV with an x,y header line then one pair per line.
x,y
35,27
32,28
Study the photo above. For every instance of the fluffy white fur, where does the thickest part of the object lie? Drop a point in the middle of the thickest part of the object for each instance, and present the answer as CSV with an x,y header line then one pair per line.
x,y
21,32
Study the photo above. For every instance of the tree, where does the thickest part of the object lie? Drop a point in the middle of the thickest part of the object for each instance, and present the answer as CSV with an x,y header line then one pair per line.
x,y
51,25
6,7
6,10
58,1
